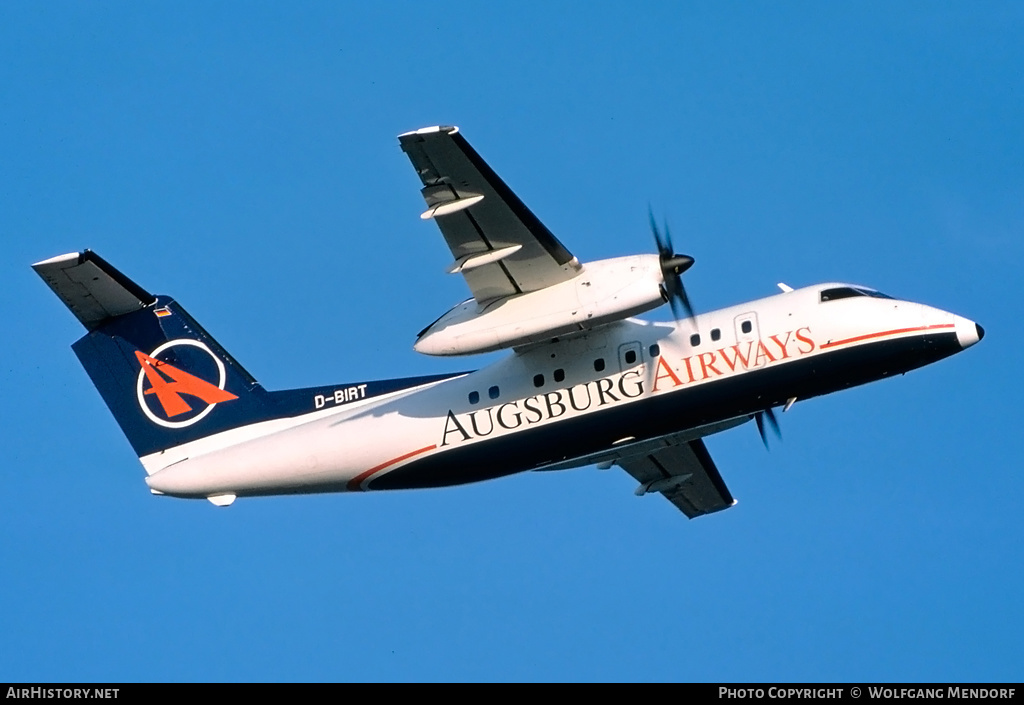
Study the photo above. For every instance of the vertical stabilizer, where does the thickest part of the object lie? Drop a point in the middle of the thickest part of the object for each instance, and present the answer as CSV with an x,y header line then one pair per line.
x,y
165,379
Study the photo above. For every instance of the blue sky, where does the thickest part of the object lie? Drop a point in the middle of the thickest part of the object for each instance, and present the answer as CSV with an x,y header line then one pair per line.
x,y
243,158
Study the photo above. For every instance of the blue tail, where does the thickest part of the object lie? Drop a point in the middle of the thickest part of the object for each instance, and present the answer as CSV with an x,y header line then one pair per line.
x,y
164,378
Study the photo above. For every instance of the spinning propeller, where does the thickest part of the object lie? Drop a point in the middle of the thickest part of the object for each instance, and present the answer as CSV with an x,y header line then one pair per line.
x,y
672,267
760,417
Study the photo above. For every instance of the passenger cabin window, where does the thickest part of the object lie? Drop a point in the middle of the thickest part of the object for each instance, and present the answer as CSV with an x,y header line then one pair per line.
x,y
630,357
746,326
695,339
599,364
655,350
716,334
493,392
474,397
538,380
559,375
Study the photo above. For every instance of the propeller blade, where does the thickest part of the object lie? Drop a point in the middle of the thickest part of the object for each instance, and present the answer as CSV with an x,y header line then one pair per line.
x,y
759,418
773,422
678,300
674,304
684,301
664,243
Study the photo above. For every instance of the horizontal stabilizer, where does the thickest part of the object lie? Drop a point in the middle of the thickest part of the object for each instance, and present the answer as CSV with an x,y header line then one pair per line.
x,y
92,288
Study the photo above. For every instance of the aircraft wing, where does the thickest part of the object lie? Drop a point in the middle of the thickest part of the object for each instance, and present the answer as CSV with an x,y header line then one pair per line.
x,y
499,245
684,473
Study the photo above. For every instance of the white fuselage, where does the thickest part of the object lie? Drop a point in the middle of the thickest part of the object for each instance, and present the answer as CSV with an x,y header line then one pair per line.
x,y
566,402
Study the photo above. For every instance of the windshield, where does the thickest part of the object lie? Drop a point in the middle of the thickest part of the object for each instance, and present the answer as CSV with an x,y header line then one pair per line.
x,y
846,292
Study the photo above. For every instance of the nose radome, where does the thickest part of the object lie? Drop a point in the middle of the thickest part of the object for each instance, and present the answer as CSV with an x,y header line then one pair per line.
x,y
968,332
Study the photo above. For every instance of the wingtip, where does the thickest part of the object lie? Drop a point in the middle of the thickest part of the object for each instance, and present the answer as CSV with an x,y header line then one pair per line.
x,y
69,257
450,129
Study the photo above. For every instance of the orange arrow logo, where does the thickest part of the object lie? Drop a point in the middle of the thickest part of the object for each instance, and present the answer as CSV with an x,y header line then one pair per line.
x,y
168,393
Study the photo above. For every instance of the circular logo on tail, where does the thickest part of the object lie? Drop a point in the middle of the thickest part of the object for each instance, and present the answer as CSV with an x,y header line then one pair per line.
x,y
180,382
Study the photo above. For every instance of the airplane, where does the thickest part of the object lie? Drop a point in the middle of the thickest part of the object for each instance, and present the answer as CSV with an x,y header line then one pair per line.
x,y
586,382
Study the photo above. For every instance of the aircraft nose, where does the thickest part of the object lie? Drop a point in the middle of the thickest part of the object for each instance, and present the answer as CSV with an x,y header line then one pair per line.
x,y
968,332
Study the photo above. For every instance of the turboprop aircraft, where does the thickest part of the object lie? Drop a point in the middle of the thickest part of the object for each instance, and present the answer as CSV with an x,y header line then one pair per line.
x,y
585,382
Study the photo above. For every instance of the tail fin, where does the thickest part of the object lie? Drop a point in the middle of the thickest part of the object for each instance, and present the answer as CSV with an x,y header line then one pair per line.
x,y
165,379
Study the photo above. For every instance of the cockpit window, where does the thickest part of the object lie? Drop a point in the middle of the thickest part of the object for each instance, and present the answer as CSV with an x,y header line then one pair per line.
x,y
846,292
843,292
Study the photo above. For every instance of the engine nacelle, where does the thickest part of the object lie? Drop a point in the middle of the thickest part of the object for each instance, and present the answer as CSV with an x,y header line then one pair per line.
x,y
604,291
